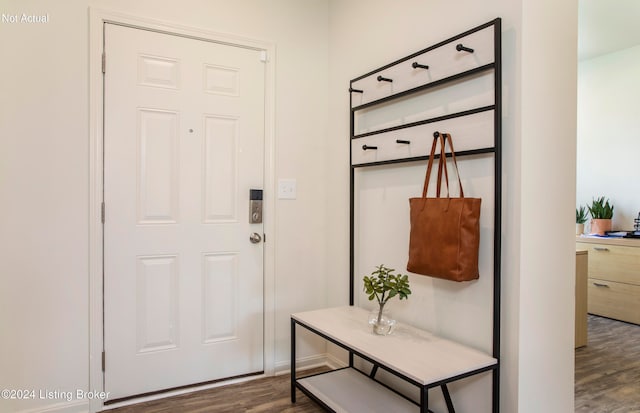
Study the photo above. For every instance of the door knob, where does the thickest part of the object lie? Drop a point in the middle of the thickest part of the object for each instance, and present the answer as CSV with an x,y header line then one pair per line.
x,y
255,238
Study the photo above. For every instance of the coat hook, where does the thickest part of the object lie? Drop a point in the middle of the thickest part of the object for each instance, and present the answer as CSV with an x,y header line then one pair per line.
x,y
384,79
352,90
460,47
416,65
403,141
365,147
436,135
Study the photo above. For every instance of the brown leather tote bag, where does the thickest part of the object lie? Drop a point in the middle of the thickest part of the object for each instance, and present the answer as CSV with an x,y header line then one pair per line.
x,y
445,232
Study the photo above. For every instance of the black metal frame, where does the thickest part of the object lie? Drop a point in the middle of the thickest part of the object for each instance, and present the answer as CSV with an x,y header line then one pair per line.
x,y
424,389
496,66
496,150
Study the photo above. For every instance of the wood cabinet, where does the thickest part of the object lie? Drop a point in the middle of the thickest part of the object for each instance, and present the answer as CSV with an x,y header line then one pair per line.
x,y
614,277
581,298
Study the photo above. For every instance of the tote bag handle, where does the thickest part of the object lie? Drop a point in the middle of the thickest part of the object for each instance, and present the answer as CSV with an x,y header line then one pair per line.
x,y
443,138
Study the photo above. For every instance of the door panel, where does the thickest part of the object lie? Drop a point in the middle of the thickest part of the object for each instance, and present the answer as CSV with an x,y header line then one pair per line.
x,y
158,168
157,303
184,144
219,283
220,163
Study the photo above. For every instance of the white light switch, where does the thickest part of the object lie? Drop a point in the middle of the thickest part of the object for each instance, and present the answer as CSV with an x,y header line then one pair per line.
x,y
286,189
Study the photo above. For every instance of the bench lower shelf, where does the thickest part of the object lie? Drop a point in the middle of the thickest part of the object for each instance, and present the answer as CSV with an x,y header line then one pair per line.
x,y
348,390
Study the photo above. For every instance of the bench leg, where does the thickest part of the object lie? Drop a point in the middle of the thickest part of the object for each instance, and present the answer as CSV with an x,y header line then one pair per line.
x,y
293,361
447,398
424,400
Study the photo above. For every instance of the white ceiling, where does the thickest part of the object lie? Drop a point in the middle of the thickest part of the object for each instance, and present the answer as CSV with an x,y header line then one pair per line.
x,y
605,26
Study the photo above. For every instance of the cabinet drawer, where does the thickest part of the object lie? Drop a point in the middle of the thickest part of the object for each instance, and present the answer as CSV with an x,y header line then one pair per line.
x,y
615,300
443,61
613,262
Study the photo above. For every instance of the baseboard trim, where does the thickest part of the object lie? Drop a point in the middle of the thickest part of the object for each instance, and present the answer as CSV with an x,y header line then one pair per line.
x,y
65,407
310,362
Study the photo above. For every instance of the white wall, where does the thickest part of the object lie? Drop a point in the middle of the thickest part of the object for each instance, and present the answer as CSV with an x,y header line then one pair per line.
x,y
367,34
44,175
547,265
608,137
44,197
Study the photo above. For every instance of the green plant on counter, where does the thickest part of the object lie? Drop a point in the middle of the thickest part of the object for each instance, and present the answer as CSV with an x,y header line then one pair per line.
x,y
600,209
581,214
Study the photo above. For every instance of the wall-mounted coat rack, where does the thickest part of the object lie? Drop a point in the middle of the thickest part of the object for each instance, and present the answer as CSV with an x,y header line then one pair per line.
x,y
476,129
418,357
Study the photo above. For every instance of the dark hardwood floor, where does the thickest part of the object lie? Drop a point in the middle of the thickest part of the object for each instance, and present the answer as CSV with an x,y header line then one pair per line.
x,y
267,395
607,380
608,368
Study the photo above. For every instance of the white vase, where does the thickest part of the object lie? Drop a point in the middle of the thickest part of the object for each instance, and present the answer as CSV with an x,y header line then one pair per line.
x,y
579,229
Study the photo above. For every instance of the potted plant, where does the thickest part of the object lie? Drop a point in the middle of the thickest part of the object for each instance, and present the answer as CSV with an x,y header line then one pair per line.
x,y
581,218
601,213
383,285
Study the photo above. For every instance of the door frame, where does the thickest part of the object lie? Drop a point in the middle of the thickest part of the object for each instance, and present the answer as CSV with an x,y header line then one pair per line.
x,y
97,18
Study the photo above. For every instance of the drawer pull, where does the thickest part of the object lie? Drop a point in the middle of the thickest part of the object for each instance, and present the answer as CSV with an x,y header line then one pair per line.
x,y
601,248
403,141
600,285
384,79
460,47
367,147
417,65
352,90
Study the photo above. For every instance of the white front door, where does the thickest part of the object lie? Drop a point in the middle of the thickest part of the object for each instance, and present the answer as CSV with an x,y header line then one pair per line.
x,y
183,146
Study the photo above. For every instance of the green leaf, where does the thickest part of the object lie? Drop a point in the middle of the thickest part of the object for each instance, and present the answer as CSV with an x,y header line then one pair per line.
x,y
383,284
600,208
